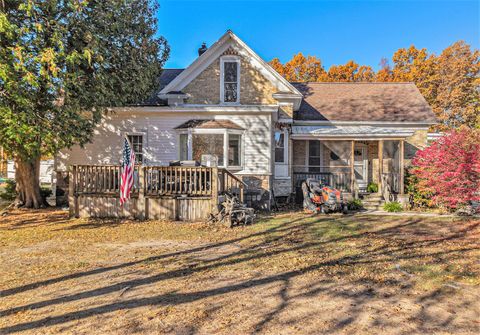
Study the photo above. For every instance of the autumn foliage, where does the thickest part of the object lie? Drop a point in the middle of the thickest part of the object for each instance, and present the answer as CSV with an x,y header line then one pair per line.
x,y
450,82
449,169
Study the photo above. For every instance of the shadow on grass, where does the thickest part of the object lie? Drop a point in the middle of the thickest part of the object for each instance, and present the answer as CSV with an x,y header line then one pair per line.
x,y
287,237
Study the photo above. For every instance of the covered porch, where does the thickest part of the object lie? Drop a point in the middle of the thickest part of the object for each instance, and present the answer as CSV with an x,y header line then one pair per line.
x,y
357,164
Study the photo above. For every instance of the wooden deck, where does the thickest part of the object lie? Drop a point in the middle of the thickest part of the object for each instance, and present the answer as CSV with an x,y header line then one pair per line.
x,y
159,192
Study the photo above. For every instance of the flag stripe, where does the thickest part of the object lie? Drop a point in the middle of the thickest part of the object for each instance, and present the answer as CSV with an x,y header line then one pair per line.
x,y
128,167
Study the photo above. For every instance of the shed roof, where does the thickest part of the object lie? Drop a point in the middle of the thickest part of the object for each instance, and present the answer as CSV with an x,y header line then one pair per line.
x,y
209,124
395,102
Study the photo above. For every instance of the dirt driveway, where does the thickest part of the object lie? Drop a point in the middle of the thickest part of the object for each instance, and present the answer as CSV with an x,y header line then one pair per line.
x,y
288,274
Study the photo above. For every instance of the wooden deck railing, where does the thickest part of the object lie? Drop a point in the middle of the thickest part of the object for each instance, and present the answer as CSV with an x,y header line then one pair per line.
x,y
171,190
104,179
230,183
177,180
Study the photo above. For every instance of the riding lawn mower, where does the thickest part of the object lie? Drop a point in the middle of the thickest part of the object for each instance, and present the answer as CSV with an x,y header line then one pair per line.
x,y
319,198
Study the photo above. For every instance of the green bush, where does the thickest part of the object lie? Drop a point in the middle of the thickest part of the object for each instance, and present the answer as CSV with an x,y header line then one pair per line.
x,y
393,206
372,188
355,204
418,198
10,193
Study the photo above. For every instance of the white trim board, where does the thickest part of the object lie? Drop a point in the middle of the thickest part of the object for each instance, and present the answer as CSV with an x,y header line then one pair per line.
x,y
399,124
218,109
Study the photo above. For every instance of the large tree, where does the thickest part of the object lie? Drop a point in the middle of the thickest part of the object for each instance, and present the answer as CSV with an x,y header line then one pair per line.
x,y
457,100
62,64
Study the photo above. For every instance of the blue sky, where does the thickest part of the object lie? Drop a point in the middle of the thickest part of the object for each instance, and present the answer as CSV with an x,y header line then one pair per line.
x,y
335,31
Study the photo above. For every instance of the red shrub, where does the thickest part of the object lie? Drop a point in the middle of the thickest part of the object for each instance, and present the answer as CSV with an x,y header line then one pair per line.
x,y
450,168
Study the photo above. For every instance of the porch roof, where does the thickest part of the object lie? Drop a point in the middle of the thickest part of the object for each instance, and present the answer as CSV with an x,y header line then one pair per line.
x,y
385,102
360,132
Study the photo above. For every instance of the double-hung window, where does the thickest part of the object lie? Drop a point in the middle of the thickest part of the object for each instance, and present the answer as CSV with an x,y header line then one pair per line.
x,y
230,80
136,141
279,147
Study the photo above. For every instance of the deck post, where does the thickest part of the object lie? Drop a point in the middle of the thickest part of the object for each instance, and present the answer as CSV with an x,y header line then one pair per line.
x,y
72,197
142,205
401,155
214,187
352,168
380,166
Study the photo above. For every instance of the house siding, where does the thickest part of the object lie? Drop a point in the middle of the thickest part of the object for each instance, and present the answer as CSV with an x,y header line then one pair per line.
x,y
161,140
161,147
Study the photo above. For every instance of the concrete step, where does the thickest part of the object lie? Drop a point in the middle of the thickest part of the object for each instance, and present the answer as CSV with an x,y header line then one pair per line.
x,y
373,202
373,197
374,208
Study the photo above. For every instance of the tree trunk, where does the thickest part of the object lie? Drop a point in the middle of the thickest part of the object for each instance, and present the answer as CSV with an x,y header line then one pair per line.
x,y
27,177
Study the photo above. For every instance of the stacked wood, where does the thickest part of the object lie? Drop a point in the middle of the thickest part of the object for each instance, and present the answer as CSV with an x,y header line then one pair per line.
x,y
232,212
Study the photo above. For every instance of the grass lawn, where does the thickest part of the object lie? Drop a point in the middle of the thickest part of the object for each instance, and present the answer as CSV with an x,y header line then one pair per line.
x,y
286,274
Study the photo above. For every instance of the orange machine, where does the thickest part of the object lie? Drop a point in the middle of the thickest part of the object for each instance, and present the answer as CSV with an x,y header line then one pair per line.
x,y
319,198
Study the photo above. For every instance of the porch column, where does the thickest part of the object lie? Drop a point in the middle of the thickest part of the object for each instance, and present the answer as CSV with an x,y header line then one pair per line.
x,y
380,166
401,180
352,168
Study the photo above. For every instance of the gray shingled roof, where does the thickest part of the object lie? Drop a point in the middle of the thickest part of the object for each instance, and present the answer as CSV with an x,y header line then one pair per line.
x,y
395,102
167,76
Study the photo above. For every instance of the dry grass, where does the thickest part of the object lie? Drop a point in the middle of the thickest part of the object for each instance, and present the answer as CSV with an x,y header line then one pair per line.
x,y
289,273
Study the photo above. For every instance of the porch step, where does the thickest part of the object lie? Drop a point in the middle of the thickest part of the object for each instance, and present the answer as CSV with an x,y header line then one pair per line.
x,y
373,202
373,207
372,197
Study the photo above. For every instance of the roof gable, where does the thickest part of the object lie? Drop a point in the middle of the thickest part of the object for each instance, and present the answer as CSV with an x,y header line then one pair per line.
x,y
228,40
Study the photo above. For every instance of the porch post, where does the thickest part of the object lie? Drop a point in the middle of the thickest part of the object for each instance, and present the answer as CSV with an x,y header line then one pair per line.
x,y
380,166
352,168
401,180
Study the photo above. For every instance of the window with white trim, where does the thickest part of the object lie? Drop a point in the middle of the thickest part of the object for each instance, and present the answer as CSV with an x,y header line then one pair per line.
x,y
230,79
279,147
234,149
184,147
211,144
225,144
136,141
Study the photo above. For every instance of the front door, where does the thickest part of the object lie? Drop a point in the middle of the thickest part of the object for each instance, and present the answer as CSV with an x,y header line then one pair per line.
x,y
360,165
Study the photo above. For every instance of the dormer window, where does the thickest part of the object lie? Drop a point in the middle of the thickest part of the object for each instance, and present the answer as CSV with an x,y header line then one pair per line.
x,y
230,80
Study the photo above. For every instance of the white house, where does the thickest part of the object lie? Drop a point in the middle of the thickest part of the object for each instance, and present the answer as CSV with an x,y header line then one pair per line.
x,y
269,132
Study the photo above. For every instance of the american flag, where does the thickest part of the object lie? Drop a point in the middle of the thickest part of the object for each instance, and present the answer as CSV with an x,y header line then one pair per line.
x,y
128,166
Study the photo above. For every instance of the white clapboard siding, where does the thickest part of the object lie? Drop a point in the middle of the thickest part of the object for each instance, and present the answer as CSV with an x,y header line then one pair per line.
x,y
160,139
46,171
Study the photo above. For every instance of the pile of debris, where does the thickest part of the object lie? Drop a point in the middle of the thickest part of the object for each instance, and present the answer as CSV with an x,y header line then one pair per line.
x,y
232,212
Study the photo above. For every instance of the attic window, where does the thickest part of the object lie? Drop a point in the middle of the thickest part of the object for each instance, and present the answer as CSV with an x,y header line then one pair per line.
x,y
230,79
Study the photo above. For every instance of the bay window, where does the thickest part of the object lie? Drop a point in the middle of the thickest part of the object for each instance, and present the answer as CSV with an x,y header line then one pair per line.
x,y
225,144
211,144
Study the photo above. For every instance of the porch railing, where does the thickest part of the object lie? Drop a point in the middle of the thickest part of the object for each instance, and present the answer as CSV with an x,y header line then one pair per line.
x,y
160,192
157,180
391,182
230,183
339,178
104,179
175,180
